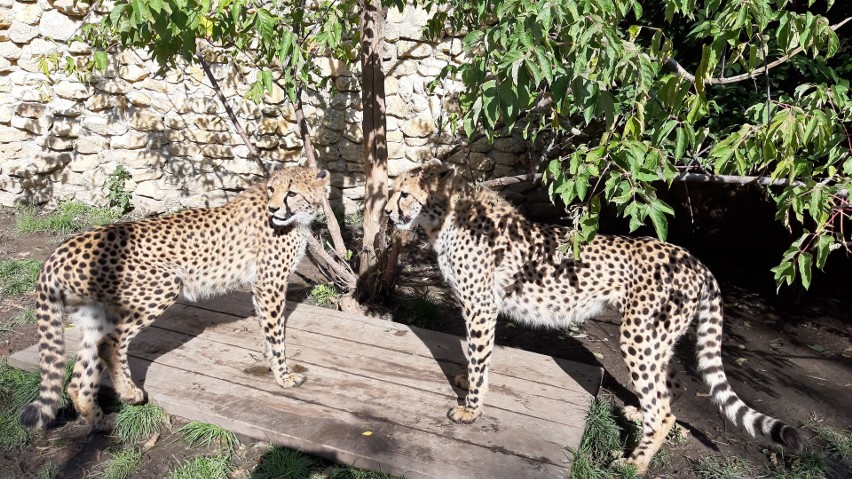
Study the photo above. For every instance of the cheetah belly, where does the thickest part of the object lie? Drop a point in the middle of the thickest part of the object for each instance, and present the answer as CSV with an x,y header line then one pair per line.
x,y
532,305
209,284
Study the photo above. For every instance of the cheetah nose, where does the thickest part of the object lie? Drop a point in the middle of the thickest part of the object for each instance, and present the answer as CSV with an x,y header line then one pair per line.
x,y
388,212
272,209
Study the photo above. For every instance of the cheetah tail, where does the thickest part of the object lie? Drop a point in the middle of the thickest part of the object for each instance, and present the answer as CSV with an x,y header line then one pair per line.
x,y
51,347
709,350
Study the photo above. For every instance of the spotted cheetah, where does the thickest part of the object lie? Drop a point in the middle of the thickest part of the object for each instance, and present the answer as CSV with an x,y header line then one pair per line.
x,y
498,262
117,279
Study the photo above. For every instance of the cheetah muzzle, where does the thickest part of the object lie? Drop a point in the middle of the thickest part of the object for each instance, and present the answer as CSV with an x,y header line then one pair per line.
x,y
497,262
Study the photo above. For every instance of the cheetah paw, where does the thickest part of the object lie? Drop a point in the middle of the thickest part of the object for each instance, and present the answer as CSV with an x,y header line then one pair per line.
x,y
461,381
291,380
463,415
625,463
632,413
133,396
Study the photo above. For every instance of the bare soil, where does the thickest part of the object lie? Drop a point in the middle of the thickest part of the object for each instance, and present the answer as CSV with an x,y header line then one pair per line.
x,y
787,355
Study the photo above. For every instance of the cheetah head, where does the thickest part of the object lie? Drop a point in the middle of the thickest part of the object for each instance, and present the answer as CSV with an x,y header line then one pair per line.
x,y
296,195
420,195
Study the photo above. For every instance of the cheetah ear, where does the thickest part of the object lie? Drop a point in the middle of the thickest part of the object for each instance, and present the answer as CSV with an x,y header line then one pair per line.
x,y
433,162
276,167
323,175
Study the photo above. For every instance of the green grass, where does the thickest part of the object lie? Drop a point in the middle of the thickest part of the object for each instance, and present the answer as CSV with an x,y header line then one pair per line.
x,y
67,218
18,276
835,442
122,464
204,467
728,468
17,388
285,463
135,422
323,295
204,434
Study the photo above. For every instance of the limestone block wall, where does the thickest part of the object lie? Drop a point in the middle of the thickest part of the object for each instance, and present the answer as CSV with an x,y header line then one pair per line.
x,y
61,137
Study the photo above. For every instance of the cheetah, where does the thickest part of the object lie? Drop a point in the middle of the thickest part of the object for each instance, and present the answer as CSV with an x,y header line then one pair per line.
x,y
115,280
496,261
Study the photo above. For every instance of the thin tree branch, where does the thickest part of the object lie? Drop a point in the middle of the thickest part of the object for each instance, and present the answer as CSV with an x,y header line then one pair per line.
x,y
236,122
683,177
674,65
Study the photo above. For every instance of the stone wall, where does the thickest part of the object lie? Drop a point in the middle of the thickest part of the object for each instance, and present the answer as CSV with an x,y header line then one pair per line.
x,y
60,137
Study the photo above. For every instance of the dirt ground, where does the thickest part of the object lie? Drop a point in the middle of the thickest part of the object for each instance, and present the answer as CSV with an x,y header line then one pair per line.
x,y
788,357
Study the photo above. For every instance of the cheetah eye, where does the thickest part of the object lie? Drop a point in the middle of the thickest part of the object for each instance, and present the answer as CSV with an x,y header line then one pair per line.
x,y
270,189
403,194
291,194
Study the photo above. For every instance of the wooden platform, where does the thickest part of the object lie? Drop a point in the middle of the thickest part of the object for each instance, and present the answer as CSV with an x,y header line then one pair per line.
x,y
376,396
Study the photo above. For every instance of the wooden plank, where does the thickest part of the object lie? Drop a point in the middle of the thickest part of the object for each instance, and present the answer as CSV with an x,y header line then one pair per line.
x,y
363,374
391,448
379,362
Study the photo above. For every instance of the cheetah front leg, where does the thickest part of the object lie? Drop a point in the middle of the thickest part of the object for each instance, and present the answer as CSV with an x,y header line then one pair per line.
x,y
480,315
269,302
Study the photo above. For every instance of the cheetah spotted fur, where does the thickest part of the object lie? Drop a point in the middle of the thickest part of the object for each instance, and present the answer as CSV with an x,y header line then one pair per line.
x,y
115,280
498,262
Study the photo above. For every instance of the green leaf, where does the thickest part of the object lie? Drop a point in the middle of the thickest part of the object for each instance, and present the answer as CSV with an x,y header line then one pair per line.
x,y
805,261
680,144
100,59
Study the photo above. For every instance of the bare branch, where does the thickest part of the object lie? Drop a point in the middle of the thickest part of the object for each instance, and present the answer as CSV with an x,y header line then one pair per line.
x,y
236,122
674,65
342,274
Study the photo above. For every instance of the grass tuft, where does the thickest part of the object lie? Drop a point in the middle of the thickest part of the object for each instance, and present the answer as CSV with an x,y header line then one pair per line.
x,y
350,472
206,435
204,467
48,471
424,312
18,276
603,441
67,218
122,464
727,468
135,422
284,463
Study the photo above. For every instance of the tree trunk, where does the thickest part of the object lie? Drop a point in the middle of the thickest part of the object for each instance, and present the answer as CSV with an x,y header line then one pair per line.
x,y
375,145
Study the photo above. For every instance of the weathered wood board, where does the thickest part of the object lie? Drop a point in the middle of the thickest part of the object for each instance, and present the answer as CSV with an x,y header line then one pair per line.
x,y
205,362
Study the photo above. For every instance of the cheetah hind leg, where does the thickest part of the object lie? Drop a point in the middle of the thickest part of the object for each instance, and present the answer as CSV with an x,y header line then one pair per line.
x,y
461,381
86,378
132,320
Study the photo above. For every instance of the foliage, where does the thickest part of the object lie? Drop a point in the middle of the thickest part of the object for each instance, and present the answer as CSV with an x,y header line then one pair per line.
x,y
18,276
119,196
257,33
69,217
122,464
204,434
324,295
596,85
138,421
204,467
